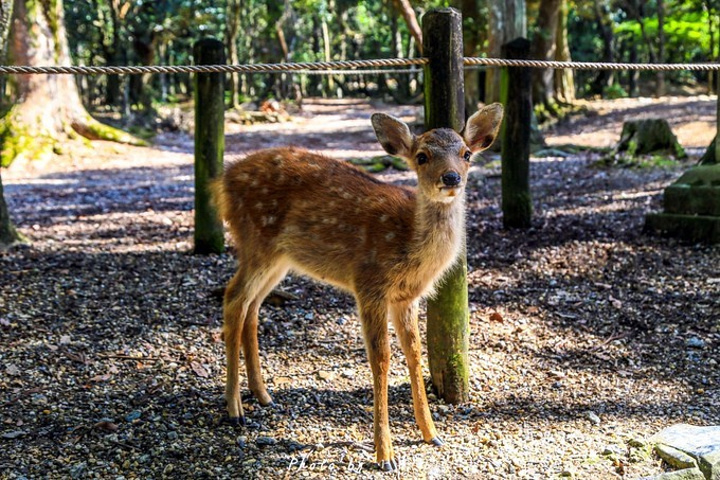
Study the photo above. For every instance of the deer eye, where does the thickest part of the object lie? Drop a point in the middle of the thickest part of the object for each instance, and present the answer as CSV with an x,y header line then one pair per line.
x,y
421,158
467,155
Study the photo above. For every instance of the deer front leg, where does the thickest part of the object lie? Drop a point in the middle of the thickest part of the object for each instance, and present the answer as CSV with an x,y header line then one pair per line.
x,y
374,322
405,320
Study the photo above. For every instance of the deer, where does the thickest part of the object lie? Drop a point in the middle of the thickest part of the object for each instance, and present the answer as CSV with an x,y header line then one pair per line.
x,y
288,209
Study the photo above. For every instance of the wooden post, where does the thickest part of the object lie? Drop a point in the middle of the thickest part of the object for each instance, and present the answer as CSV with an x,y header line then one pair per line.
x,y
448,323
209,144
717,120
516,97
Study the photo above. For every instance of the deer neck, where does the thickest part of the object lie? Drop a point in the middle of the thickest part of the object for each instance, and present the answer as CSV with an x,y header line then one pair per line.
x,y
438,232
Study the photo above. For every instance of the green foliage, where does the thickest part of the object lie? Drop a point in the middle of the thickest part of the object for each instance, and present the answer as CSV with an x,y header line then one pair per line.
x,y
686,29
614,91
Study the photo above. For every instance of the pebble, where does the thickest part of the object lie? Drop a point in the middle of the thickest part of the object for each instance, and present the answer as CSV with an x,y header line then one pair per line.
x,y
695,342
132,416
593,417
265,441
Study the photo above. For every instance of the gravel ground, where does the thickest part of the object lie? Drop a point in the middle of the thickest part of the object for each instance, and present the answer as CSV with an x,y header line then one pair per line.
x,y
587,336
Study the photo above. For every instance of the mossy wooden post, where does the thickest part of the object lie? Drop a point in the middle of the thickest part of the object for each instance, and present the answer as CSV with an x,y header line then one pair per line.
x,y
717,122
447,313
209,144
516,97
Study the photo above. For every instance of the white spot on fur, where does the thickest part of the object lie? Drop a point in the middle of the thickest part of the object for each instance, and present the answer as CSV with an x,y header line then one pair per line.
x,y
265,190
244,176
390,236
254,183
259,205
268,220
384,218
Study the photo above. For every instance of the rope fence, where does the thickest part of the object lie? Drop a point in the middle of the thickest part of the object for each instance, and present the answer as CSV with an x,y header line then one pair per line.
x,y
358,67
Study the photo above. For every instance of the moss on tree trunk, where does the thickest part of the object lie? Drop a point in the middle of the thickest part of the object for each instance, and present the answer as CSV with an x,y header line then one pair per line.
x,y
642,137
48,109
8,233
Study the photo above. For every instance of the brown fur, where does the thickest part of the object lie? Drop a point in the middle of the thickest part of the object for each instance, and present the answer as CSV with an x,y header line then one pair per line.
x,y
288,208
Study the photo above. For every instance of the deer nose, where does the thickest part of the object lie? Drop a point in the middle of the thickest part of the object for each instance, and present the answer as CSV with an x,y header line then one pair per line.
x,y
451,179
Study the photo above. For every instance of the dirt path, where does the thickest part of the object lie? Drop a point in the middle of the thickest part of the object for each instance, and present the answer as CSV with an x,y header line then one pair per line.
x,y
587,336
692,119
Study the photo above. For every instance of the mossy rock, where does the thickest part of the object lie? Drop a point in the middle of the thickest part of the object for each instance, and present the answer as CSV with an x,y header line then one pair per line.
x,y
708,157
640,137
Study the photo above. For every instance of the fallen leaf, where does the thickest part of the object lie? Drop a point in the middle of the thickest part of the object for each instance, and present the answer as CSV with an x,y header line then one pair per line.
x,y
325,375
496,317
278,381
107,426
76,357
199,369
12,370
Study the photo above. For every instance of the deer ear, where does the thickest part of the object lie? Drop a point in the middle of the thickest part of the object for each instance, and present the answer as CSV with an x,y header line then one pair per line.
x,y
482,128
393,135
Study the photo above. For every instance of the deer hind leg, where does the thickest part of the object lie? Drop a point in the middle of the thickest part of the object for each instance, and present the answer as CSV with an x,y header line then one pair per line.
x,y
256,383
235,307
405,320
238,309
374,323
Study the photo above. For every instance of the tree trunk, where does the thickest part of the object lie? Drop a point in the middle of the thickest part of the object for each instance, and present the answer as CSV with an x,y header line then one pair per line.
x,y
660,88
544,48
472,39
604,78
507,22
8,234
48,107
564,79
408,14
231,38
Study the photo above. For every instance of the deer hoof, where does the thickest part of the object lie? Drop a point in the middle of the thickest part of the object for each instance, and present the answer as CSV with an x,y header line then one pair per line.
x,y
436,442
388,465
235,421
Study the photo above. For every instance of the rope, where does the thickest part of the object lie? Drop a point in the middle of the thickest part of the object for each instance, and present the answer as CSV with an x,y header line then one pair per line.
x,y
348,67
252,68
500,62
377,71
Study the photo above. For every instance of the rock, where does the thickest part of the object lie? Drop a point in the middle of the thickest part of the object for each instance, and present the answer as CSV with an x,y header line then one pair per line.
x,y
132,416
695,342
700,443
685,474
613,450
265,441
675,457
593,417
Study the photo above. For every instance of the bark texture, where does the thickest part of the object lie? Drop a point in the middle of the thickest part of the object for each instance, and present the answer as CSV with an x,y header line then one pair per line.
x,y
8,234
507,22
544,48
48,108
564,79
